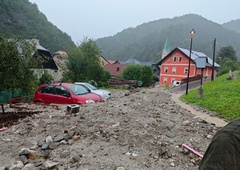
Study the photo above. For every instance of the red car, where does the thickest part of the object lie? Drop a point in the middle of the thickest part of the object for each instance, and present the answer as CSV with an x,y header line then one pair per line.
x,y
65,93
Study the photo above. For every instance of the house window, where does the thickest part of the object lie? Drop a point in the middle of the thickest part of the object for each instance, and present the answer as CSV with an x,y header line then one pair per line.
x,y
180,58
118,68
165,80
174,70
174,58
172,80
185,70
166,69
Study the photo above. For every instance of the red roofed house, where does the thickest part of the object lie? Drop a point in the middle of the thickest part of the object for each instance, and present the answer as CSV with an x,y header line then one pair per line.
x,y
174,66
115,69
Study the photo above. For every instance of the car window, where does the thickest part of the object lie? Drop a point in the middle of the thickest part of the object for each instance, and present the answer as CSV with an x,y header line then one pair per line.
x,y
77,90
91,86
83,85
47,89
61,91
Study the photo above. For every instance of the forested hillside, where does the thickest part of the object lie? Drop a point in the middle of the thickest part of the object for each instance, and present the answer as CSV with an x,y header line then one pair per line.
x,y
233,25
146,42
21,17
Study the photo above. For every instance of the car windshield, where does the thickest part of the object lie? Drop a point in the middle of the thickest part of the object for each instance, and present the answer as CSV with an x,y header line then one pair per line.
x,y
91,86
77,90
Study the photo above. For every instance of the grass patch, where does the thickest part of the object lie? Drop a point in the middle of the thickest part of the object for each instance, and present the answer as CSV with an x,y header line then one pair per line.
x,y
221,96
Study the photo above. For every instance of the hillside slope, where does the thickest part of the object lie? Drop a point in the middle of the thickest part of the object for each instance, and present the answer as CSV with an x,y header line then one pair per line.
x,y
23,18
146,42
233,25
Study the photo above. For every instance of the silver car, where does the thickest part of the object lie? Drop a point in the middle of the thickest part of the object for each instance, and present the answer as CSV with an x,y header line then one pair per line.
x,y
103,93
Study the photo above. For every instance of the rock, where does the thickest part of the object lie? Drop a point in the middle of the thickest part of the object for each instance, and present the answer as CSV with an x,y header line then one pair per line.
x,y
52,146
186,123
170,135
49,139
46,153
24,159
120,168
24,151
17,165
41,141
50,164
172,164
30,167
58,138
45,146
4,168
38,163
65,154
209,136
76,137
34,147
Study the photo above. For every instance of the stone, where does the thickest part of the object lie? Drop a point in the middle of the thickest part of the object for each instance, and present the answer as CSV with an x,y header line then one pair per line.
x,y
171,135
49,139
120,168
45,146
58,138
172,164
65,154
24,151
209,136
24,159
41,141
52,146
38,163
76,137
67,136
186,123
17,165
3,168
34,147
30,167
50,164
46,153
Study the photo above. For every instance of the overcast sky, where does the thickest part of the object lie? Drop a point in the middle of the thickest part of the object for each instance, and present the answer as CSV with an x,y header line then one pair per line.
x,y
101,18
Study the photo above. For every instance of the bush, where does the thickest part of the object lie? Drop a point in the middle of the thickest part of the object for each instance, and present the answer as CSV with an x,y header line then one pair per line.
x,y
138,72
46,78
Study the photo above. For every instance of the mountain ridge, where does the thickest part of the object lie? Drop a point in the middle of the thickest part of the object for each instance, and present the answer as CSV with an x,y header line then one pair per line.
x,y
145,42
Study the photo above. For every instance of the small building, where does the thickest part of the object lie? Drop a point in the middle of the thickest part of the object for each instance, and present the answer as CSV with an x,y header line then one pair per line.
x,y
174,66
115,69
48,65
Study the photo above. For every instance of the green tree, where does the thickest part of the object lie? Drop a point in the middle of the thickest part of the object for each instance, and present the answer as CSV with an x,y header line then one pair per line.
x,y
83,63
16,61
105,79
227,59
228,65
138,72
132,72
227,52
146,75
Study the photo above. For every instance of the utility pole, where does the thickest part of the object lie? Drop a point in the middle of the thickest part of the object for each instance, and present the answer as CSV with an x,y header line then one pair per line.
x,y
214,48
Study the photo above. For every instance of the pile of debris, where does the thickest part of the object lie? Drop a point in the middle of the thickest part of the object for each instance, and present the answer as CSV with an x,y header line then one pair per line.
x,y
140,130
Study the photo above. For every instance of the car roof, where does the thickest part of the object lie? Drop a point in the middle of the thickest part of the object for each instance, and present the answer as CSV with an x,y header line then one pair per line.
x,y
58,84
